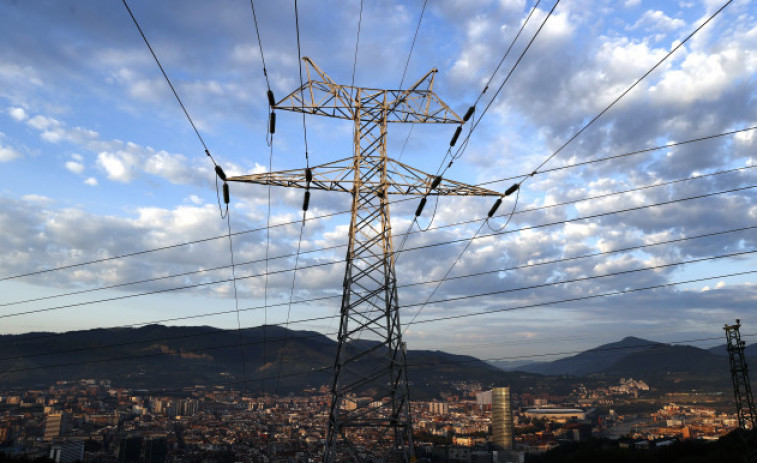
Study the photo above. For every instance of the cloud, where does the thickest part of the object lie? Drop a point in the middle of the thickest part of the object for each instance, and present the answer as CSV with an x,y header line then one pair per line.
x,y
120,165
656,20
19,114
8,153
75,167
91,181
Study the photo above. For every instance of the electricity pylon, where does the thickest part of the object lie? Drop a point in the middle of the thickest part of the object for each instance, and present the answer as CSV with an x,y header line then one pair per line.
x,y
379,428
742,389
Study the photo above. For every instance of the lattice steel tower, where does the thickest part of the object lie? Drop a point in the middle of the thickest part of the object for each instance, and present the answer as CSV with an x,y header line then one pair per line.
x,y
742,390
370,353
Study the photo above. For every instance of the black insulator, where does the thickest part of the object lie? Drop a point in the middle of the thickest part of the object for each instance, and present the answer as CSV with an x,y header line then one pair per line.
x,y
226,193
272,123
306,201
271,100
469,113
454,137
308,175
495,207
420,206
221,174
436,182
208,153
512,189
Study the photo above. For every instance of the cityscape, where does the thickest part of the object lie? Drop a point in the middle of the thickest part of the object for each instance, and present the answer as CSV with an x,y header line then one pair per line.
x,y
94,421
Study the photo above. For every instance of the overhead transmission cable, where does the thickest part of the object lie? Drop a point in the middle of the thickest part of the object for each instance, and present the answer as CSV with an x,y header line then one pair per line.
x,y
306,199
544,225
357,44
220,174
625,92
487,312
622,155
464,144
269,139
450,299
441,170
48,309
516,187
404,73
334,262
334,214
605,195
325,368
522,266
468,114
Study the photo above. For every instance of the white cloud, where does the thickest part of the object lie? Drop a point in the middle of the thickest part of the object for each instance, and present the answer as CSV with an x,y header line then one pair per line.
x,y
631,3
43,123
8,153
91,181
19,114
658,21
705,76
120,166
75,167
37,199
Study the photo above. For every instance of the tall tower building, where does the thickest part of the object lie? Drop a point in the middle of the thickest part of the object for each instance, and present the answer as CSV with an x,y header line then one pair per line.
x,y
502,419
56,425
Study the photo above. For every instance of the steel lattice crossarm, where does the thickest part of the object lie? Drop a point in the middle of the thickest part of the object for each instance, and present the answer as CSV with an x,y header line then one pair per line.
x,y
322,96
340,176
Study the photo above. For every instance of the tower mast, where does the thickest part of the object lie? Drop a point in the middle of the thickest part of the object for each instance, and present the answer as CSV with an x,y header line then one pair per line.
x,y
370,354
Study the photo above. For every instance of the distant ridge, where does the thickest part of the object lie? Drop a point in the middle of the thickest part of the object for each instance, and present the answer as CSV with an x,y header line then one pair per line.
x,y
665,367
593,360
169,357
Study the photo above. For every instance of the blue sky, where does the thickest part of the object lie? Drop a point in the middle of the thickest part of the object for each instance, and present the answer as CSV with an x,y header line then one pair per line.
x,y
97,160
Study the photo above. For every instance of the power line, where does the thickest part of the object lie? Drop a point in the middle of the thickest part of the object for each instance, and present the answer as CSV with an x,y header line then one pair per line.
x,y
507,53
404,72
549,224
325,216
464,143
656,345
631,153
299,62
357,43
260,44
168,81
167,247
563,301
625,92
535,264
499,292
325,368
412,45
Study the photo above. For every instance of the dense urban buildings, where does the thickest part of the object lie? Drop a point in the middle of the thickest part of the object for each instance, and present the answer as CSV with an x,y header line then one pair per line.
x,y
95,421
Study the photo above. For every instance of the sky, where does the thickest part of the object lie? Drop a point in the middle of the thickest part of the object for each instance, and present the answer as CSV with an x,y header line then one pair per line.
x,y
98,161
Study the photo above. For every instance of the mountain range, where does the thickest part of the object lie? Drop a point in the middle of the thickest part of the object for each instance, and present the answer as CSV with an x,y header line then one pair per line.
x,y
266,358
664,366
271,358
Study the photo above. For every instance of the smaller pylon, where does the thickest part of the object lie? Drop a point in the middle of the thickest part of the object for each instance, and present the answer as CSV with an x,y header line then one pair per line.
x,y
742,389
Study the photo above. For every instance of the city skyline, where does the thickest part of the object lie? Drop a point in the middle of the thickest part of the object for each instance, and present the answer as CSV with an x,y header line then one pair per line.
x,y
98,160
